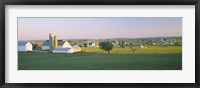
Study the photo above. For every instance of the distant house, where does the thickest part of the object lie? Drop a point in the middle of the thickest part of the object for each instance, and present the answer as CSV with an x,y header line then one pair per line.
x,y
115,43
61,44
24,46
63,50
133,46
161,42
89,44
178,43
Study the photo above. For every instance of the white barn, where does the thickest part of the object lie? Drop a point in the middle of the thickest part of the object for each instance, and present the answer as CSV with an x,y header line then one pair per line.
x,y
25,46
63,50
76,48
61,44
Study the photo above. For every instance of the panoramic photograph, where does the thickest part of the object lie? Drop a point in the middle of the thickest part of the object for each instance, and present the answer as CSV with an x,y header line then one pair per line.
x,y
99,43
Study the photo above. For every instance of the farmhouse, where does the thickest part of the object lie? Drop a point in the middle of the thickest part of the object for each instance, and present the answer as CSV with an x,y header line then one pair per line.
x,y
24,46
61,44
115,43
133,46
89,44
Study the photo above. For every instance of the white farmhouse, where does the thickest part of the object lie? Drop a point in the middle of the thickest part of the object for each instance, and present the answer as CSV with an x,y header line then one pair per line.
x,y
25,46
61,44
89,44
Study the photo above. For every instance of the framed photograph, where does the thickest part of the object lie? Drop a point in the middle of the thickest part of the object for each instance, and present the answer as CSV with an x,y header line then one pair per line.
x,y
95,43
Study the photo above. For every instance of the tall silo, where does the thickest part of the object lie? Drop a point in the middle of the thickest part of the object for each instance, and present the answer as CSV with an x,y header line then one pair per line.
x,y
55,42
51,42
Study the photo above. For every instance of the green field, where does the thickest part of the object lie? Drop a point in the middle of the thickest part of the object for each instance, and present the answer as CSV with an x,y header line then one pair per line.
x,y
151,49
150,58
98,61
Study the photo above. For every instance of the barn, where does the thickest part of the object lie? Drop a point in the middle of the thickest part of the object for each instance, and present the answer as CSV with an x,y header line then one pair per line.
x,y
61,44
76,48
63,50
24,46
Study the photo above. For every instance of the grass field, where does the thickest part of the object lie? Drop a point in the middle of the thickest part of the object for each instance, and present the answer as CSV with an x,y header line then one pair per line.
x,y
151,49
98,61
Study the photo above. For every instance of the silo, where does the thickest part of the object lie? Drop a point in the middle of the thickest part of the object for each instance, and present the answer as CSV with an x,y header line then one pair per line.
x,y
51,42
55,42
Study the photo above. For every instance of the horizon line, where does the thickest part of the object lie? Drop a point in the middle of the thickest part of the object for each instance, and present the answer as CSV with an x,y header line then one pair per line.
x,y
104,38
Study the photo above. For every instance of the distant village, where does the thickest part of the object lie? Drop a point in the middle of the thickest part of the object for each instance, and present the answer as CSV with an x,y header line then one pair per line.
x,y
55,45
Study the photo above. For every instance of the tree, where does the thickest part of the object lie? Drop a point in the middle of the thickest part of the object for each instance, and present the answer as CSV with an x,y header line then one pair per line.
x,y
85,44
106,45
122,44
133,49
75,43
36,47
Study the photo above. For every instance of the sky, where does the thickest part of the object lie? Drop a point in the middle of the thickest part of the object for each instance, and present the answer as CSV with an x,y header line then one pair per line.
x,y
99,28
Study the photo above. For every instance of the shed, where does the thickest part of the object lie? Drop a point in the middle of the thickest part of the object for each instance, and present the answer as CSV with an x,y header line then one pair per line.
x,y
24,46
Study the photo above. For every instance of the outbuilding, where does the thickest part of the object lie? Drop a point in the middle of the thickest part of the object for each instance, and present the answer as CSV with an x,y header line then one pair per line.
x,y
25,46
76,48
63,50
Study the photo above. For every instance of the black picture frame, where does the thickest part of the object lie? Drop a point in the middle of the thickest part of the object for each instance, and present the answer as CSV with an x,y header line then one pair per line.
x,y
99,2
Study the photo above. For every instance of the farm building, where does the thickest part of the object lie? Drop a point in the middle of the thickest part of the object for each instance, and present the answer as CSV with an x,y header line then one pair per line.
x,y
24,46
133,46
115,43
76,48
63,50
161,42
61,44
89,44
178,43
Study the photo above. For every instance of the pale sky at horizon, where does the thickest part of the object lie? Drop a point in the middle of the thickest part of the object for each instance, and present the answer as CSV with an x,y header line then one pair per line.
x,y
98,28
